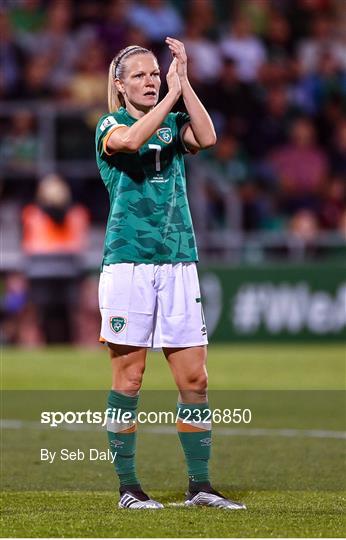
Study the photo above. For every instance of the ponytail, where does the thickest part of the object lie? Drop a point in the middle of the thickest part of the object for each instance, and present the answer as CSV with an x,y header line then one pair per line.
x,y
115,98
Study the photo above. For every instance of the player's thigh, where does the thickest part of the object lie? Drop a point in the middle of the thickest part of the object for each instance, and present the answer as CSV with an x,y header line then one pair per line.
x,y
128,365
188,365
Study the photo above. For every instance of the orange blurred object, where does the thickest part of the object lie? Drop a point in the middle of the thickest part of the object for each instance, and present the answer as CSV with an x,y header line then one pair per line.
x,y
41,234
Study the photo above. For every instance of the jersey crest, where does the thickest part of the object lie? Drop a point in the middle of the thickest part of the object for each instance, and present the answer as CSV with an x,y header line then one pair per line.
x,y
165,135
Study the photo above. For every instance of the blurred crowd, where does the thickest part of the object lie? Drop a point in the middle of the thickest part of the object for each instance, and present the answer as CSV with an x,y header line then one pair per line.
x,y
272,74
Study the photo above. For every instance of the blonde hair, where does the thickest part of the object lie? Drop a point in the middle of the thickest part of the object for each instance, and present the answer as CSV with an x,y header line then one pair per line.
x,y
116,71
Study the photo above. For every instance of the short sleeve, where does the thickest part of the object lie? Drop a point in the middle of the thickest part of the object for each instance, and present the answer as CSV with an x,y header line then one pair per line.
x,y
182,120
105,126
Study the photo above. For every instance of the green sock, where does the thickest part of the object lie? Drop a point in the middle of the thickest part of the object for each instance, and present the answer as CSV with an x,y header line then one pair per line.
x,y
123,441
194,429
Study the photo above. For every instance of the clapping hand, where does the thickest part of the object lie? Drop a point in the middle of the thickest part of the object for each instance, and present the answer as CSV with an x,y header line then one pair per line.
x,y
178,51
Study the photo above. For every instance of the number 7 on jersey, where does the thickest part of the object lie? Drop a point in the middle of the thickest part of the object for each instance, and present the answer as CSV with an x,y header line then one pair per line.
x,y
158,149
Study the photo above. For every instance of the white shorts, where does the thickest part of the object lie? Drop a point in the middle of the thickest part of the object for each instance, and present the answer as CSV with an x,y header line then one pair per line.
x,y
151,305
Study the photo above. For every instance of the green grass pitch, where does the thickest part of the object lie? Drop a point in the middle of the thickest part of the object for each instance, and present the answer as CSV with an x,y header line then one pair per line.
x,y
287,465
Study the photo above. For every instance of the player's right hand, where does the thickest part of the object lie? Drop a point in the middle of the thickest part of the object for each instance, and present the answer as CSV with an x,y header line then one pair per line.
x,y
172,77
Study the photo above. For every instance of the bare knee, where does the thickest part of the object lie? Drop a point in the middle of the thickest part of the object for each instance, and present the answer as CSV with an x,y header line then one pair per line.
x,y
128,379
194,388
131,379
188,366
195,382
128,365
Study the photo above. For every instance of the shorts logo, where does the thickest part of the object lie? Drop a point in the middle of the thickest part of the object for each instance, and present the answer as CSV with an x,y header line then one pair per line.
x,y
165,135
117,324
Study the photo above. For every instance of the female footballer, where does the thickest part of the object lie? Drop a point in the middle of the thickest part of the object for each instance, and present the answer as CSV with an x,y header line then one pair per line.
x,y
149,293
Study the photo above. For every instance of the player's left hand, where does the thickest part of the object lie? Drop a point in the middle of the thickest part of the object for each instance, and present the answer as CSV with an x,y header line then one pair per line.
x,y
178,51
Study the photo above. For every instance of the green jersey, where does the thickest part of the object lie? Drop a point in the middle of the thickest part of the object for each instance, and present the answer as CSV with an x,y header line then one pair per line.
x,y
149,219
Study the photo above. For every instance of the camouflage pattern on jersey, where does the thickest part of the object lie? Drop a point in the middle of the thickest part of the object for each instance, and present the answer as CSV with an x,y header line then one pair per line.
x,y
149,219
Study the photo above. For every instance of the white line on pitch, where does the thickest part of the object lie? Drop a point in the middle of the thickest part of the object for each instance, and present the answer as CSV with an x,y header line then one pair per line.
x,y
170,430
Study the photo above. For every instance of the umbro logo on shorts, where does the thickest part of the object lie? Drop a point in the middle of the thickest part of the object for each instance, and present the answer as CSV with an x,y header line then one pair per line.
x,y
117,324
